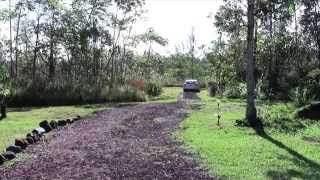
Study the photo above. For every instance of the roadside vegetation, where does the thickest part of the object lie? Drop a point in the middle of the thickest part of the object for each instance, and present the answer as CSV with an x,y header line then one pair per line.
x,y
288,149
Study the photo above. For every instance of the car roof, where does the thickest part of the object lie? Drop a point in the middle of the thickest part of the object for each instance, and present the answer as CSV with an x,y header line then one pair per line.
x,y
191,80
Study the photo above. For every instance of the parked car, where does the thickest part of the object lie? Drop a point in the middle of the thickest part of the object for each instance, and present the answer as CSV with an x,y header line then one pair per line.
x,y
191,86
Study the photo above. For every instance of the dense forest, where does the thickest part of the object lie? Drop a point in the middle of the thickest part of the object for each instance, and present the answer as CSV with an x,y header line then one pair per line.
x,y
61,52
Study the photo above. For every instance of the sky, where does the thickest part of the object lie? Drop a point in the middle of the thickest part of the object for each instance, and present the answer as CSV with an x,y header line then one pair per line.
x,y
174,19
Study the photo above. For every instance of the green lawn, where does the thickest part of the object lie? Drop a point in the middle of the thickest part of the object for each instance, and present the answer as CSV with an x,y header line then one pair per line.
x,y
20,121
169,94
239,153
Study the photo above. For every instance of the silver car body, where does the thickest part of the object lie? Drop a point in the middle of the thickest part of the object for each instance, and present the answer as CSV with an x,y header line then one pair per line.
x,y
191,86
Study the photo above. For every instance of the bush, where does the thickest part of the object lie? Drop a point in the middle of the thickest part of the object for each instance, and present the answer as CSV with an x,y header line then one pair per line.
x,y
138,83
153,89
234,92
202,84
280,118
52,94
301,96
243,90
124,94
212,88
72,94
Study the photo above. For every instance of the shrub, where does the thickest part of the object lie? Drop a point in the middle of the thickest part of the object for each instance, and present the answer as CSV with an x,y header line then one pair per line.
x,y
72,94
138,83
279,118
232,93
239,91
301,96
243,90
153,88
202,84
125,94
212,88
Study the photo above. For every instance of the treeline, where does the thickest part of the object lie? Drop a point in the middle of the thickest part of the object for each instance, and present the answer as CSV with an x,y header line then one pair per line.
x,y
287,50
71,52
67,52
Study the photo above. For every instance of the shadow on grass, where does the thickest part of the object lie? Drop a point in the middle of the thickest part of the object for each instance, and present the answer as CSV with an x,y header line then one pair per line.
x,y
23,109
92,106
307,172
107,105
161,98
311,168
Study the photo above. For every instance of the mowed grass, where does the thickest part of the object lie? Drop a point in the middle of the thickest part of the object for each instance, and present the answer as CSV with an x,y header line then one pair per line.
x,y
239,153
169,94
21,121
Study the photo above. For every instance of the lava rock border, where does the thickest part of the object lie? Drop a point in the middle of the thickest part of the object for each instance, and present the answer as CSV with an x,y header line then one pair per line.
x,y
34,136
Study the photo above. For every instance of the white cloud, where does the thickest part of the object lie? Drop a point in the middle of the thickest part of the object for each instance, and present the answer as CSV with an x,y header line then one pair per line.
x,y
174,20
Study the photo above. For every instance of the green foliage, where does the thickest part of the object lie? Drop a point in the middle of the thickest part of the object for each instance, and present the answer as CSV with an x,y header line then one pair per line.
x,y
239,91
280,118
301,96
212,88
153,88
124,94
232,93
4,83
231,152
152,36
72,94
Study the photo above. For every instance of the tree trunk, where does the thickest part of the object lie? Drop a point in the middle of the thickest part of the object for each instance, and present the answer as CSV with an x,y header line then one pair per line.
x,y
3,107
35,51
251,113
271,58
17,41
52,49
10,34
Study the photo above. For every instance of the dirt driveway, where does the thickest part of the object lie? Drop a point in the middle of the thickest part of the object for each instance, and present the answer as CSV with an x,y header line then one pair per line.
x,y
122,143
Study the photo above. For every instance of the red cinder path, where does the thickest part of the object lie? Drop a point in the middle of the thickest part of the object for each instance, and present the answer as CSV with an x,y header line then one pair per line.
x,y
122,143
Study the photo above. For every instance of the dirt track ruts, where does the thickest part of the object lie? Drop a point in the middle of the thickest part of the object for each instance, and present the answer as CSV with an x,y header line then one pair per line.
x,y
121,143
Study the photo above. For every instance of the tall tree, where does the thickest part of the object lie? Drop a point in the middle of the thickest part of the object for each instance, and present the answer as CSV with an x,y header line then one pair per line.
x,y
251,113
11,47
311,23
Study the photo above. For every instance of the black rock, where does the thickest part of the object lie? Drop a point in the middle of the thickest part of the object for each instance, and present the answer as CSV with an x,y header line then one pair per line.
x,y
36,137
69,121
53,124
62,123
15,149
31,136
45,125
77,118
9,155
2,159
21,143
40,131
30,140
